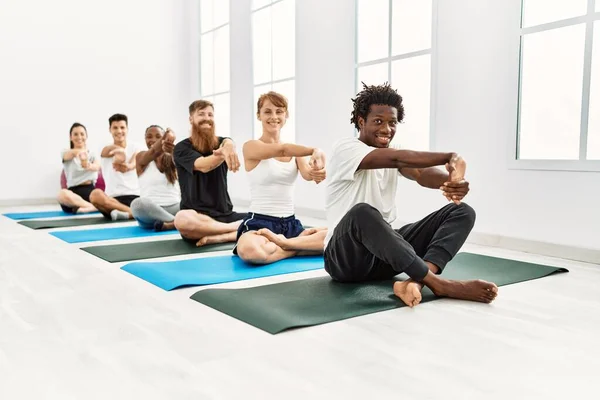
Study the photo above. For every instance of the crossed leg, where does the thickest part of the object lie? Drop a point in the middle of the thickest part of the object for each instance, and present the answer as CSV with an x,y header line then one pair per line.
x,y
264,246
204,229
70,199
106,204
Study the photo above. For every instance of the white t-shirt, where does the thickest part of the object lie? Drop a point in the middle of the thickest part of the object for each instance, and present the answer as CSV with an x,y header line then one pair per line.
x,y
347,187
119,183
75,173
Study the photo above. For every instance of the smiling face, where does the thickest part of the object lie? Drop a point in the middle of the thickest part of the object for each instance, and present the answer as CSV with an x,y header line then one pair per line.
x,y
118,130
379,128
203,119
273,118
78,137
153,135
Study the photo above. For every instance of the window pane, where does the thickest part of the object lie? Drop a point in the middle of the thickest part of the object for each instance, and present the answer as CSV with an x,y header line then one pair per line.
x,y
284,41
411,25
536,12
221,12
261,45
376,74
260,3
411,77
373,29
258,90
206,64
287,88
206,15
593,144
222,107
551,90
221,59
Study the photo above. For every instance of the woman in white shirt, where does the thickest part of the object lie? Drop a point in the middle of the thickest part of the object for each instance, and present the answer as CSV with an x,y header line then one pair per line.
x,y
159,189
271,232
81,168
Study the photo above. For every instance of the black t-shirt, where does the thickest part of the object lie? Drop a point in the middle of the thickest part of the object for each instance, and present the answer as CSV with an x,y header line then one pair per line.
x,y
203,192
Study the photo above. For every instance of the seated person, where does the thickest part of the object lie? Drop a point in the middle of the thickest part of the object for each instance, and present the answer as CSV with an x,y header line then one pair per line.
x,y
80,167
272,168
118,169
203,161
363,172
159,190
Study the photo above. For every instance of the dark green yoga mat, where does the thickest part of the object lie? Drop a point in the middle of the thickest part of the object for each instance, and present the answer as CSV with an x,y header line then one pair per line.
x,y
65,223
307,302
161,248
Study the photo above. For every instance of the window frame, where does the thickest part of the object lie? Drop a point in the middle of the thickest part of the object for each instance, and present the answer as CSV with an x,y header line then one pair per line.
x,y
272,82
582,164
200,35
389,59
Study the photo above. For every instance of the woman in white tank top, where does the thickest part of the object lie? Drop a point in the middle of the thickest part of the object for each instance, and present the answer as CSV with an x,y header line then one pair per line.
x,y
271,232
159,189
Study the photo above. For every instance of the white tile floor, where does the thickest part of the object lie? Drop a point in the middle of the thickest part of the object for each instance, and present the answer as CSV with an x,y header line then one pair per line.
x,y
75,327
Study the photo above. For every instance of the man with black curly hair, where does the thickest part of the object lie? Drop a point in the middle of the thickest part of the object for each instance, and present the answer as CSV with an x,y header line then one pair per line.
x,y
363,172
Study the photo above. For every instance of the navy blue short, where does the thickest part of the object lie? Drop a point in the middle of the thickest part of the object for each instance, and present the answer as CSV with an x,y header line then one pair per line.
x,y
290,227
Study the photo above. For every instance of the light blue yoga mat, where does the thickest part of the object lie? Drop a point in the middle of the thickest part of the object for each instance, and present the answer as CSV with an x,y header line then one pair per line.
x,y
43,214
170,275
94,235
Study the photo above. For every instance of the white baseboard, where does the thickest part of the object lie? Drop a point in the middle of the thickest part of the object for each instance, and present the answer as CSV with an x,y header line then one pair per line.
x,y
28,202
491,240
536,247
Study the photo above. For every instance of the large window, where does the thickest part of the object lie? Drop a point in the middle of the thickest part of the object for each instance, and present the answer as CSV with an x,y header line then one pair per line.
x,y
214,60
394,39
559,85
274,56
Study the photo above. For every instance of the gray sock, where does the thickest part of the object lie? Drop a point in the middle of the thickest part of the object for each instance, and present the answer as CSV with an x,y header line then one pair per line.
x,y
116,215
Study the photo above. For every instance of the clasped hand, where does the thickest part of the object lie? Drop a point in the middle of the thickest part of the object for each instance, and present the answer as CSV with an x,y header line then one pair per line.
x,y
317,166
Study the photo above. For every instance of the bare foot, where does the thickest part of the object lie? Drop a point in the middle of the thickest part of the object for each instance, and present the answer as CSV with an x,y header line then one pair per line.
x,y
458,173
168,226
222,238
408,291
82,210
476,290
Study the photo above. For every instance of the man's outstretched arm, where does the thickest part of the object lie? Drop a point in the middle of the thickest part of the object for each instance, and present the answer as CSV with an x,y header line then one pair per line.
x,y
394,158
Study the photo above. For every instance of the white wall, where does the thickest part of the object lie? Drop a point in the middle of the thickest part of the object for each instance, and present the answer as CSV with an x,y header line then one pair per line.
x,y
476,114
69,60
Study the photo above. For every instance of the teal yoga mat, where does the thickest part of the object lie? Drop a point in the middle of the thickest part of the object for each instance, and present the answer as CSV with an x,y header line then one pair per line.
x,y
43,214
154,249
93,235
276,308
170,275
65,222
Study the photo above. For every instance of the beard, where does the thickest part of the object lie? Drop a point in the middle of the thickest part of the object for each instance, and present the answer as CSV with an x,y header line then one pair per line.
x,y
204,139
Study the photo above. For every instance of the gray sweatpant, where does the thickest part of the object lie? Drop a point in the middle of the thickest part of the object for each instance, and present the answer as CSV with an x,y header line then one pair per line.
x,y
147,212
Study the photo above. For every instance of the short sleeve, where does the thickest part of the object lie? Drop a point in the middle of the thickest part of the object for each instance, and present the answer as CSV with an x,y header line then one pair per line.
x,y
222,139
346,158
185,156
62,154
